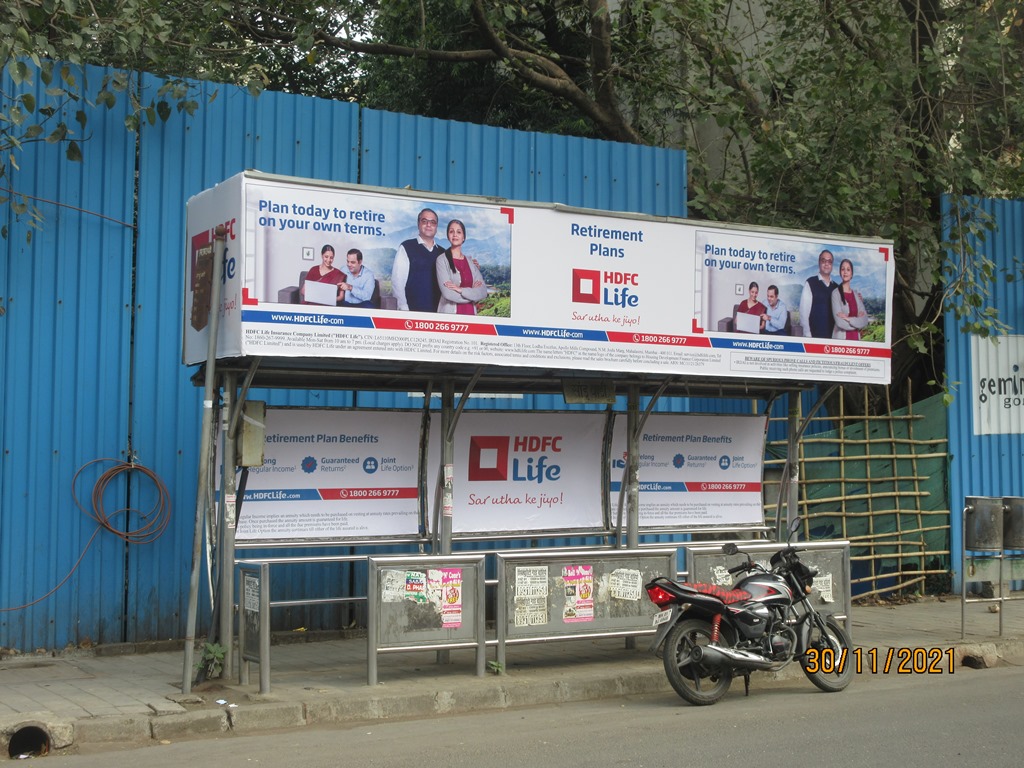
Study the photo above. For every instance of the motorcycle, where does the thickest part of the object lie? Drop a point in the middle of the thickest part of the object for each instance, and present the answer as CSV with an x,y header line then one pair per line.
x,y
710,633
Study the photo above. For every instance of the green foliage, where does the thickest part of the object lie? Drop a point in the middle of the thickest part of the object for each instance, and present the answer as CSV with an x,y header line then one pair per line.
x,y
212,659
52,102
875,331
852,116
856,116
498,304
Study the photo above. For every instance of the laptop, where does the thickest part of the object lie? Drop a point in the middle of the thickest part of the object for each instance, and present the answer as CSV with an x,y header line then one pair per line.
x,y
321,293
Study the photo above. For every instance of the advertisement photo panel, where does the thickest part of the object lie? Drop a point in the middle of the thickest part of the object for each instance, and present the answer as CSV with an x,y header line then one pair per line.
x,y
696,469
334,474
527,472
315,269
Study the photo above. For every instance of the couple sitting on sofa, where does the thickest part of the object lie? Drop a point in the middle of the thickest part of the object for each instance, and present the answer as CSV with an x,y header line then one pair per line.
x,y
751,316
356,289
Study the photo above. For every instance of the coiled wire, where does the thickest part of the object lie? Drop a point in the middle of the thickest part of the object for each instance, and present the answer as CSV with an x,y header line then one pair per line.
x,y
154,521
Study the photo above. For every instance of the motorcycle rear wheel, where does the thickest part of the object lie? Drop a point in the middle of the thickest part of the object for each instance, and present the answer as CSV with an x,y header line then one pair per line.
x,y
693,681
832,661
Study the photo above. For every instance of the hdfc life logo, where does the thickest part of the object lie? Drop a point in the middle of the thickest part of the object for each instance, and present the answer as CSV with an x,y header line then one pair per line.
x,y
522,458
596,286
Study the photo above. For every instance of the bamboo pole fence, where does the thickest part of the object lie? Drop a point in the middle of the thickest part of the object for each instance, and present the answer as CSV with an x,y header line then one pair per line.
x,y
872,481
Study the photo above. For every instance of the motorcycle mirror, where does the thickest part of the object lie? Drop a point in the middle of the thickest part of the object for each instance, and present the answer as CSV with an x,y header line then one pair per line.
x,y
794,526
730,549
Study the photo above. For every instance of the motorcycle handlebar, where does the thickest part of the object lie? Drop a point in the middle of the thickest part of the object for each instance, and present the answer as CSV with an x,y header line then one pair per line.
x,y
737,568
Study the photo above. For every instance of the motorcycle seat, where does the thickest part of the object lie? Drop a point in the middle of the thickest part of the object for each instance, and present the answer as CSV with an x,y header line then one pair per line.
x,y
727,596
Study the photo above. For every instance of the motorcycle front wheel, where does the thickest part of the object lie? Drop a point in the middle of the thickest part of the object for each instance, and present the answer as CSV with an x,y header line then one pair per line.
x,y
829,660
695,682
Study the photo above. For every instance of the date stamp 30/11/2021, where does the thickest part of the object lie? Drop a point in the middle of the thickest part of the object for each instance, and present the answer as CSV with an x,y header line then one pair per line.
x,y
886,661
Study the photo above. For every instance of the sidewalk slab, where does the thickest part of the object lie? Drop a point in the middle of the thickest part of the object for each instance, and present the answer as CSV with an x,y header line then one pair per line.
x,y
93,697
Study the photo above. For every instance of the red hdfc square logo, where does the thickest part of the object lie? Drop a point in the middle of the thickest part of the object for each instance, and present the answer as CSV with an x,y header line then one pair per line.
x,y
528,456
586,286
595,286
488,457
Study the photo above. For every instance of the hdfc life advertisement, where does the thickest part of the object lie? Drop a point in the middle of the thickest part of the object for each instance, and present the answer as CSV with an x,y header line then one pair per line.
x,y
696,469
220,206
334,474
316,269
531,472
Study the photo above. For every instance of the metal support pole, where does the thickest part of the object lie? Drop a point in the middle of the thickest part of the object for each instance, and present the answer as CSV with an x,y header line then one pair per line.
x,y
963,572
792,479
447,461
203,492
447,479
634,426
226,549
633,468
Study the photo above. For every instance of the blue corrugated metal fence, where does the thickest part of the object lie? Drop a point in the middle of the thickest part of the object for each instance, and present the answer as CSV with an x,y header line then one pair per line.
x,y
986,464
91,321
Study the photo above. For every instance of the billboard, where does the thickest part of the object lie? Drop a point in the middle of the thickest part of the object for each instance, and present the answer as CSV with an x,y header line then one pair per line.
x,y
315,269
349,474
529,472
696,469
334,474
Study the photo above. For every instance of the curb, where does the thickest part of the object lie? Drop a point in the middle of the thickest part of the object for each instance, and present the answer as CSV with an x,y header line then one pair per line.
x,y
258,713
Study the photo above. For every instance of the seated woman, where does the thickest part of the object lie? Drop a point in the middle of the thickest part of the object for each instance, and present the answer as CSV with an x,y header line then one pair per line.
x,y
751,306
324,273
462,286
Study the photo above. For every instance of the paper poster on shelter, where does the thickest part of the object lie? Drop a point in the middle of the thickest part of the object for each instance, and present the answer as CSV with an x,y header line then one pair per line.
x,y
531,596
444,587
416,586
626,584
578,581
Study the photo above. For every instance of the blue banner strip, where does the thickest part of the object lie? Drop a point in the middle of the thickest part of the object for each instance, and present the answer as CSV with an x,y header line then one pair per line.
x,y
283,494
561,334
758,344
655,486
664,487
302,318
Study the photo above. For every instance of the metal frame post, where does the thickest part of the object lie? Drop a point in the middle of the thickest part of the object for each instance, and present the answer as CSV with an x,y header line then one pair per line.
x,y
203,491
633,428
792,478
447,463
227,528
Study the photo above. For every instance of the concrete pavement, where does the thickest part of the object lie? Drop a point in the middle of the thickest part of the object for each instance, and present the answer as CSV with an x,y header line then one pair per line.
x,y
117,694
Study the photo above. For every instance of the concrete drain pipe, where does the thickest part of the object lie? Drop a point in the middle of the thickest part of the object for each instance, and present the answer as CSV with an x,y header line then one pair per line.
x,y
34,738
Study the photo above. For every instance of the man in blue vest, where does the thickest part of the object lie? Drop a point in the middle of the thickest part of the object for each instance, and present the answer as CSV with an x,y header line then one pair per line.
x,y
816,300
414,275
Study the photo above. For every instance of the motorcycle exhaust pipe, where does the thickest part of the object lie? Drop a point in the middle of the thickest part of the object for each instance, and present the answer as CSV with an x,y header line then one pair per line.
x,y
717,656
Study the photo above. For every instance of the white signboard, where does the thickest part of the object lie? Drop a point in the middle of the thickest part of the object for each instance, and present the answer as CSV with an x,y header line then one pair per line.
x,y
997,387
531,285
527,472
334,474
696,469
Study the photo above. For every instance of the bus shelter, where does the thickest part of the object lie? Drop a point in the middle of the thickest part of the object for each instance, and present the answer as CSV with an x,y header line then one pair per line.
x,y
635,309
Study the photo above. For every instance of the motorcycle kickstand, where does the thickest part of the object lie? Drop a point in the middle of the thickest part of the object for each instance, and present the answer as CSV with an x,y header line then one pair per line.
x,y
746,683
